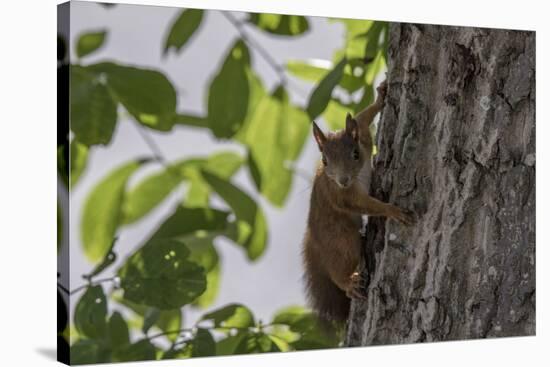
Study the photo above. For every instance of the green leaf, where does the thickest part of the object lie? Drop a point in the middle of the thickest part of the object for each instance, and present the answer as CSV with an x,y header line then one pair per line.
x,y
204,253
149,193
280,343
282,25
294,130
86,351
213,285
314,70
321,96
297,317
275,136
79,159
283,332
355,41
183,29
93,110
256,343
375,67
161,275
223,164
227,346
202,249
335,115
202,345
257,93
229,93
146,94
102,209
151,317
152,190
90,42
143,350
309,70
198,192
91,313
231,316
168,320
251,226
186,221
366,99
118,331
373,40
305,323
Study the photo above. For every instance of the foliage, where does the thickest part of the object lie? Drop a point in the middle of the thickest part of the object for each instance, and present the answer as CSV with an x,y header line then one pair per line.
x,y
181,31
178,266
90,42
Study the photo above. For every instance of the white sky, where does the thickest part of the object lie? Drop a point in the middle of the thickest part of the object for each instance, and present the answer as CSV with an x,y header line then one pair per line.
x,y
135,36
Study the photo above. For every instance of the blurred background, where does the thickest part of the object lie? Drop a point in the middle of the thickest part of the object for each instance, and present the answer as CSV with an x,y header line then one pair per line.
x,y
306,68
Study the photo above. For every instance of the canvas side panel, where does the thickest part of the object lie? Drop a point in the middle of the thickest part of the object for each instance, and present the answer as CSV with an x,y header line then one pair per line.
x,y
63,169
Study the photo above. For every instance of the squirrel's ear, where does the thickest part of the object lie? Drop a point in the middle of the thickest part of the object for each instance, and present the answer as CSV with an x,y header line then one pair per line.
x,y
319,136
351,126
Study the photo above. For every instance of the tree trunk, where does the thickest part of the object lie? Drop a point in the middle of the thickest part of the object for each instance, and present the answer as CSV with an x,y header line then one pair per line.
x,y
457,146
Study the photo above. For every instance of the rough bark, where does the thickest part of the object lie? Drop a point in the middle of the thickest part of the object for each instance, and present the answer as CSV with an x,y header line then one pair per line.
x,y
457,146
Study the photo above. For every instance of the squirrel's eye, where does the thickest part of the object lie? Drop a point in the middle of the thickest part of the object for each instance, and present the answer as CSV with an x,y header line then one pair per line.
x,y
355,155
325,161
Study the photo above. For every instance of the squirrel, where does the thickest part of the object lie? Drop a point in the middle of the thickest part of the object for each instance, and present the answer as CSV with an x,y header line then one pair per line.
x,y
339,198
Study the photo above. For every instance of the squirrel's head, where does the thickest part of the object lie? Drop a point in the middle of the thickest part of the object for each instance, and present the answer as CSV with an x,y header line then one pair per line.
x,y
342,154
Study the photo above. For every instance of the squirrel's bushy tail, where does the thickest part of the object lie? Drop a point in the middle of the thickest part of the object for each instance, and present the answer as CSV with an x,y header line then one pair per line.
x,y
327,300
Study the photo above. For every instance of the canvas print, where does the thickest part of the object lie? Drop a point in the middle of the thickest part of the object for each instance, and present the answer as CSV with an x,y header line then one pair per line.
x,y
233,183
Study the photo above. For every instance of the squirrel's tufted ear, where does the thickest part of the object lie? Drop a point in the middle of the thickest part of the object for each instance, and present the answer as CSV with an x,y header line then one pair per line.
x,y
351,126
319,136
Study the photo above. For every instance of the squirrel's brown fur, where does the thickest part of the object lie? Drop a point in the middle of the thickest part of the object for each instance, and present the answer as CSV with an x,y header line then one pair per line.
x,y
332,243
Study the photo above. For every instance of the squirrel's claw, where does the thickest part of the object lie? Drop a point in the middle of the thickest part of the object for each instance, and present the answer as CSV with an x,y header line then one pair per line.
x,y
356,287
382,90
406,217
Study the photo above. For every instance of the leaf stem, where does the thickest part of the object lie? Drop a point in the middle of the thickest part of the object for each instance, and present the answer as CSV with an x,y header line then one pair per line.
x,y
190,330
90,284
155,149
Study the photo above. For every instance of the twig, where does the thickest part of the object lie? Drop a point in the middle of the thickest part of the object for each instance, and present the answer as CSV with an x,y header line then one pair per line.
x,y
170,332
250,41
190,330
63,288
90,284
159,157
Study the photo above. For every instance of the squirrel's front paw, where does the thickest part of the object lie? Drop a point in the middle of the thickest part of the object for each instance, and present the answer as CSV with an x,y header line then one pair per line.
x,y
356,286
382,90
404,216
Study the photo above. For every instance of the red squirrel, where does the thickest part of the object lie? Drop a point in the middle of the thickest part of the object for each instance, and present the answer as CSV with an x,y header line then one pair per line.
x,y
339,197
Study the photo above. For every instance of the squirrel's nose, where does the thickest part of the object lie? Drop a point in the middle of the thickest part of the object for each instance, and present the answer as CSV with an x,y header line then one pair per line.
x,y
344,181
